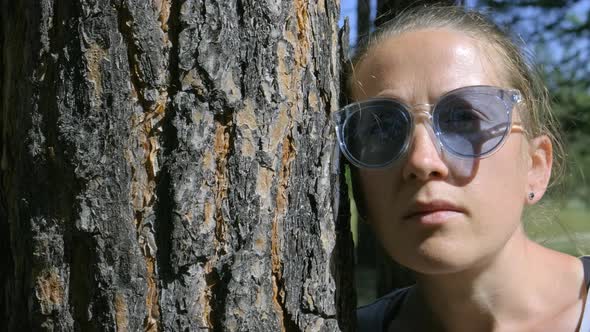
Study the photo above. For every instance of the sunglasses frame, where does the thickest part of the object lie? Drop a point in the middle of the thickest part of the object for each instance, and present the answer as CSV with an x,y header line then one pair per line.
x,y
509,97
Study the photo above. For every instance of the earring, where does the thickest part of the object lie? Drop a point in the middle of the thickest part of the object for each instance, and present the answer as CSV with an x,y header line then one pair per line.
x,y
531,195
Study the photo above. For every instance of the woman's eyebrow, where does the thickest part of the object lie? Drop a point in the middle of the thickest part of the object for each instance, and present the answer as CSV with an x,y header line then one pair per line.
x,y
395,94
389,93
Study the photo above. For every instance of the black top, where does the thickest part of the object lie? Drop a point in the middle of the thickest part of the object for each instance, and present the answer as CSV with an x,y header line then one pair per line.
x,y
375,316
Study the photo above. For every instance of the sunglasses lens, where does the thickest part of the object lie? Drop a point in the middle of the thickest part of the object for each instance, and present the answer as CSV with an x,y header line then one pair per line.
x,y
472,124
376,132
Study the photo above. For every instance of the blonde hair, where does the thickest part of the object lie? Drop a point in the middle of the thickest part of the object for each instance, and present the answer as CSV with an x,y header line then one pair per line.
x,y
538,119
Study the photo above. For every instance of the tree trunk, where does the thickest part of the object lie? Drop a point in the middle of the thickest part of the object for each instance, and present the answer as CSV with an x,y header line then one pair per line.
x,y
168,165
363,18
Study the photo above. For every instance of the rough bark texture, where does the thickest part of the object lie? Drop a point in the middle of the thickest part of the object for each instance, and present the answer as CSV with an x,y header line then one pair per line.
x,y
168,165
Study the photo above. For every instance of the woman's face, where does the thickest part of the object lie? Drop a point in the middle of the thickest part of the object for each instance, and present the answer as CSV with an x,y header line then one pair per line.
x,y
435,213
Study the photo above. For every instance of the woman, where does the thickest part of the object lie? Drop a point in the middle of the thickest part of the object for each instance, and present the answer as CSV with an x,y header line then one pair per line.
x,y
450,137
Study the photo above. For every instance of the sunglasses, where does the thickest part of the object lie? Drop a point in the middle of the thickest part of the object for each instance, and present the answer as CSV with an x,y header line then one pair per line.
x,y
469,122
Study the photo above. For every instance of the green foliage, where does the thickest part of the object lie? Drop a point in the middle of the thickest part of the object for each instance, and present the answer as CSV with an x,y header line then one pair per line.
x,y
564,229
557,34
572,106
353,212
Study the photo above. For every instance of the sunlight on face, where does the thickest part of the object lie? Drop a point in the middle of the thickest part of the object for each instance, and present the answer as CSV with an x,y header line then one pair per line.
x,y
435,213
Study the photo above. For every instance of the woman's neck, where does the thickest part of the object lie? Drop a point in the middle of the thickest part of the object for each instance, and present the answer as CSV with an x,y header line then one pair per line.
x,y
514,290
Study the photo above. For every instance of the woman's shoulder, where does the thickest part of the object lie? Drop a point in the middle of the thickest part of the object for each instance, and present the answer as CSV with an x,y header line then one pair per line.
x,y
585,321
586,263
373,316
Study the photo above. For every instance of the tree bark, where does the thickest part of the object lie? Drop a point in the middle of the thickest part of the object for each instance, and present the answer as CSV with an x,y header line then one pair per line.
x,y
363,18
168,165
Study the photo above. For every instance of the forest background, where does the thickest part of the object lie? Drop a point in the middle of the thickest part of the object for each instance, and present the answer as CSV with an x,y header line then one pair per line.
x,y
169,165
555,35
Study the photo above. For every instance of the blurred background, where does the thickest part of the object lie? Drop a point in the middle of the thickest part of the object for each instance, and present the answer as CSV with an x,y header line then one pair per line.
x,y
556,37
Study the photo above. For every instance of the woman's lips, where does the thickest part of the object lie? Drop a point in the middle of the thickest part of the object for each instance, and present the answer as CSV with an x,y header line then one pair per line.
x,y
433,212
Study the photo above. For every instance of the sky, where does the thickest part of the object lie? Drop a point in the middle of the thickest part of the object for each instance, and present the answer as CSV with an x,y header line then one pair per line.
x,y
348,8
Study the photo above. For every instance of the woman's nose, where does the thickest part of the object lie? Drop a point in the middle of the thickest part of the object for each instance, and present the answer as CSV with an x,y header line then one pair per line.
x,y
424,161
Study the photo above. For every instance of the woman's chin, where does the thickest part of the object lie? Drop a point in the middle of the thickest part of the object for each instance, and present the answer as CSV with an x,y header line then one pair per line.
x,y
437,257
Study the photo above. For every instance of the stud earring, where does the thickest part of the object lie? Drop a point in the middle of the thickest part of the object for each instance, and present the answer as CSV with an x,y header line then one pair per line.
x,y
531,195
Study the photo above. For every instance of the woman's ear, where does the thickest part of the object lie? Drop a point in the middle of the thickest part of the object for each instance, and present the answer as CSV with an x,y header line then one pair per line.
x,y
539,172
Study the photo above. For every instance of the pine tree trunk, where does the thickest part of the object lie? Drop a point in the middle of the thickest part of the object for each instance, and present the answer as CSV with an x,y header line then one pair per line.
x,y
168,165
363,18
